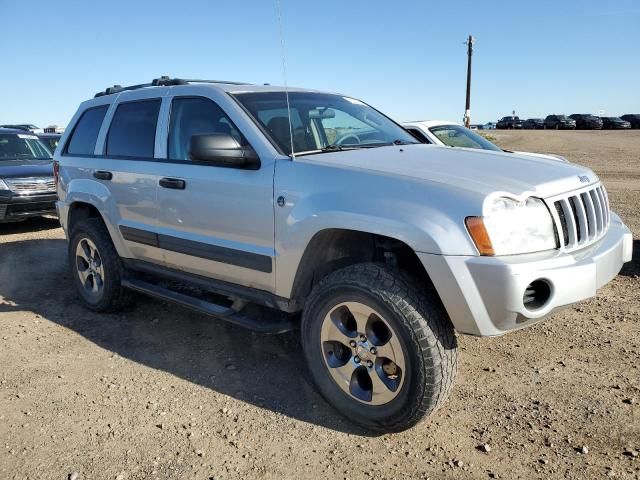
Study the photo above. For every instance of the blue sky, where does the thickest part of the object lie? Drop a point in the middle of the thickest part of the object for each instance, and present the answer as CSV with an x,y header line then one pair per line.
x,y
407,58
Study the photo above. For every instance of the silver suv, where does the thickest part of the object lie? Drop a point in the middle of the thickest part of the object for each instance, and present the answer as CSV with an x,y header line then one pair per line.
x,y
274,209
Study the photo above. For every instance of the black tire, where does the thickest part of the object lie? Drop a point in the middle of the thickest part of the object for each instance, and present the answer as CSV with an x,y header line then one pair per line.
x,y
113,296
422,327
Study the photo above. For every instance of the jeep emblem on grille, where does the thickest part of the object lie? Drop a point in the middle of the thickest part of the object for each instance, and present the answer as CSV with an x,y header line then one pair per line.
x,y
583,178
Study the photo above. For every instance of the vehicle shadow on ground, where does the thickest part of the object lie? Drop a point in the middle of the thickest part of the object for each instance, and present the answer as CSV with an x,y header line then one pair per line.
x,y
632,268
35,224
266,371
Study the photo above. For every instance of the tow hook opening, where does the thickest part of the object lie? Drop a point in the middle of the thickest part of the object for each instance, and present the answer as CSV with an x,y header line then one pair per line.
x,y
536,295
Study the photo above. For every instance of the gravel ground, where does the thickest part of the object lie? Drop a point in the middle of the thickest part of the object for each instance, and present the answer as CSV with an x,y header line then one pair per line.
x,y
161,392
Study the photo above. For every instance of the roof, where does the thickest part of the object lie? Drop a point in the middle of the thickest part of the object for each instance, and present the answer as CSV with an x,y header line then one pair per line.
x,y
48,135
16,131
224,85
431,123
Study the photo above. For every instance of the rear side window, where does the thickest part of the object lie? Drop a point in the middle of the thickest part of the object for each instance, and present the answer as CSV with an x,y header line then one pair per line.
x,y
85,134
133,129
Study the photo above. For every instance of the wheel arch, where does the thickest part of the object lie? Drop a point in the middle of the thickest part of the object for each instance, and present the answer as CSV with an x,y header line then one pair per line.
x,y
81,209
336,248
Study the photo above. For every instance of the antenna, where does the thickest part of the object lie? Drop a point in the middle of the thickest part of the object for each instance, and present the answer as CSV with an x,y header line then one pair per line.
x,y
284,73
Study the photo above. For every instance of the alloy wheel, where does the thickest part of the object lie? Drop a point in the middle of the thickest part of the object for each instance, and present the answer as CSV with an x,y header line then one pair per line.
x,y
362,353
89,267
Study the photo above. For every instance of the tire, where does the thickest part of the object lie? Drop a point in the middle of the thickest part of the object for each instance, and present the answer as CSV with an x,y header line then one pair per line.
x,y
419,334
108,272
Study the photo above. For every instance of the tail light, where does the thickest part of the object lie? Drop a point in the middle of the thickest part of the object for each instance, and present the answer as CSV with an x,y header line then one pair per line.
x,y
56,171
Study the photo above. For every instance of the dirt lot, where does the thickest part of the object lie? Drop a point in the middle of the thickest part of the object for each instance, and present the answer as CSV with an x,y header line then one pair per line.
x,y
160,392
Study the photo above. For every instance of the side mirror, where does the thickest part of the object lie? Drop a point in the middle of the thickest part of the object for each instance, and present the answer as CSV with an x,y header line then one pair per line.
x,y
223,150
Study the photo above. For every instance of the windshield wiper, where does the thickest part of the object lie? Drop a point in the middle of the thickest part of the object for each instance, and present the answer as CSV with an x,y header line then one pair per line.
x,y
339,148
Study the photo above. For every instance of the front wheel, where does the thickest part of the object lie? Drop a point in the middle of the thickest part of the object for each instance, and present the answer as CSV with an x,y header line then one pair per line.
x,y
381,351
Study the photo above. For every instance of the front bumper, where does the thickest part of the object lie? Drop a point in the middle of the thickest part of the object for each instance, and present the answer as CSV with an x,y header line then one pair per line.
x,y
484,295
17,207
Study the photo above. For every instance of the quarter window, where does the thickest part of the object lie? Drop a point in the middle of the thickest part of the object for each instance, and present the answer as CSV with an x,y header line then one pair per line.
x,y
196,116
84,136
133,129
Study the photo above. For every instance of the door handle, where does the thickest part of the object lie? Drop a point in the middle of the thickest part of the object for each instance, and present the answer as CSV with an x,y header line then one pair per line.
x,y
175,183
103,175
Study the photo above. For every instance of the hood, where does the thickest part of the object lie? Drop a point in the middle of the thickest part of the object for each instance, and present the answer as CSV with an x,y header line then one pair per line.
x,y
481,171
26,168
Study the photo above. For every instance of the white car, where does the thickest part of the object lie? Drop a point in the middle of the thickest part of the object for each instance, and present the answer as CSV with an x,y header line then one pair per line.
x,y
450,134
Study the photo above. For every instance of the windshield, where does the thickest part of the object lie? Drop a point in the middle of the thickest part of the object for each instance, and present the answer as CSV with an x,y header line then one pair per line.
x,y
459,136
23,147
321,122
50,142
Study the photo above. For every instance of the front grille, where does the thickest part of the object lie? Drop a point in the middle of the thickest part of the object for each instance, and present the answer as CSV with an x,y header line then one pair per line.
x,y
25,186
580,217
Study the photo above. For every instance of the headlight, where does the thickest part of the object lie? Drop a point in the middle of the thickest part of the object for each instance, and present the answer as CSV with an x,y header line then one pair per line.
x,y
512,227
3,186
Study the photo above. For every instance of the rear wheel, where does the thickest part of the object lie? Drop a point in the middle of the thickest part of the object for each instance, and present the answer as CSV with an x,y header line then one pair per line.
x,y
379,350
96,267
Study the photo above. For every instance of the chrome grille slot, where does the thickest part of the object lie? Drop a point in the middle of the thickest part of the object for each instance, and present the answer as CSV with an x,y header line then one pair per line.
x,y
31,185
580,217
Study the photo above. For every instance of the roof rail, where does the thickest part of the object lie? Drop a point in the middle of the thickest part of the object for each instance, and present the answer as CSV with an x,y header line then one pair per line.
x,y
163,81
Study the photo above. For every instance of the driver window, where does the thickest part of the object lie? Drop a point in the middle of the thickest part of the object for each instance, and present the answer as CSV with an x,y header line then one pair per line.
x,y
196,116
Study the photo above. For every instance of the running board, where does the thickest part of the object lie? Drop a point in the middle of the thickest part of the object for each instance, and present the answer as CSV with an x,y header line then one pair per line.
x,y
262,319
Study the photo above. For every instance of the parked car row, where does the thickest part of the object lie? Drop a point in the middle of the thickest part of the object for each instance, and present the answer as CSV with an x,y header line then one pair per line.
x,y
580,121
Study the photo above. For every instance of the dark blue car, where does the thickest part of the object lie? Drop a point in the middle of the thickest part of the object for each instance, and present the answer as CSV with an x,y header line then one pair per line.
x,y
27,186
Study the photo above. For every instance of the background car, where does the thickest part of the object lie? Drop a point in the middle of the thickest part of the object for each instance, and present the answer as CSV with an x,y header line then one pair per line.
x,y
509,122
450,134
615,123
51,140
586,121
632,118
533,123
29,127
559,122
27,187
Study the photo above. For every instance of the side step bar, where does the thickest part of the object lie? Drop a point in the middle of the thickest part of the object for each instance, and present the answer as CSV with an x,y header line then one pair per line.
x,y
261,319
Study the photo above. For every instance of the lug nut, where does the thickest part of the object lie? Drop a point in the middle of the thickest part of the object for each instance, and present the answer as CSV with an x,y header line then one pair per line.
x,y
352,343
373,350
356,359
363,338
369,363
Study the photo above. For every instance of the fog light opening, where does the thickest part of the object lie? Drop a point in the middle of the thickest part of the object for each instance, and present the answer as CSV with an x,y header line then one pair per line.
x,y
536,295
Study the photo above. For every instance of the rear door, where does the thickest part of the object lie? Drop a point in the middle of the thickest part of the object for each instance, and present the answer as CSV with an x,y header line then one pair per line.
x,y
214,221
125,165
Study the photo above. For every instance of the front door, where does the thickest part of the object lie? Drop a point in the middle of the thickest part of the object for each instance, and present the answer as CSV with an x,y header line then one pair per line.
x,y
214,221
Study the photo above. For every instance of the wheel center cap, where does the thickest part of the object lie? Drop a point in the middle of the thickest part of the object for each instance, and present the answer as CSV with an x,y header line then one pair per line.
x,y
364,353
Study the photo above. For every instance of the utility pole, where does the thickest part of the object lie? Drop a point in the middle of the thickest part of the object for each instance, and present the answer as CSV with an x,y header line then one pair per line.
x,y
467,108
